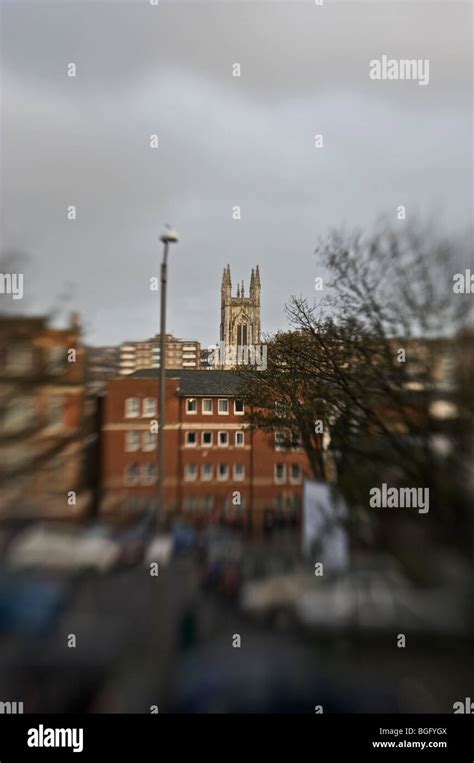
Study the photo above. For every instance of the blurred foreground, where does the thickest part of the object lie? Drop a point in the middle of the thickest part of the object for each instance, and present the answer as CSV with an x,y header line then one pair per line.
x,y
89,623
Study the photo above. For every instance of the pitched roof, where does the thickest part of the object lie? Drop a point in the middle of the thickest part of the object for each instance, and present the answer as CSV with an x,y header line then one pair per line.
x,y
194,382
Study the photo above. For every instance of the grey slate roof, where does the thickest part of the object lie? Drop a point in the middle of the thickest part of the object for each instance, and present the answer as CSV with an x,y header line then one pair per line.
x,y
197,382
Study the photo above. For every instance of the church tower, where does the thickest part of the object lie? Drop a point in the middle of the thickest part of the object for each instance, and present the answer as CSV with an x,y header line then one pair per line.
x,y
240,315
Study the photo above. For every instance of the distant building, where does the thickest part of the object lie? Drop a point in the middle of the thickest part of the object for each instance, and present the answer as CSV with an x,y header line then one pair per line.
x,y
102,363
180,353
46,421
215,465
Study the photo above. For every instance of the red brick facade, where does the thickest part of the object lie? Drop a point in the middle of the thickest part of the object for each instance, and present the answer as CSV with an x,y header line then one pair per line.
x,y
215,465
44,422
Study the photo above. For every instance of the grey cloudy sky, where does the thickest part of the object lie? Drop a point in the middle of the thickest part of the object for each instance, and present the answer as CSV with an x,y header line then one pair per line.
x,y
223,141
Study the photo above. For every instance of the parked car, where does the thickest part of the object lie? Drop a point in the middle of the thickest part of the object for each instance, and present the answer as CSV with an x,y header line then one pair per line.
x,y
160,550
370,603
273,598
184,538
62,548
31,606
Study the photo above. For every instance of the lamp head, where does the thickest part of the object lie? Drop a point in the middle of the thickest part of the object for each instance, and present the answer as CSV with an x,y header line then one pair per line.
x,y
169,236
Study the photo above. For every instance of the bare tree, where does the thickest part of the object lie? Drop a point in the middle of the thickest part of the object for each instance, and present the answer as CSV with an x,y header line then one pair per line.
x,y
362,362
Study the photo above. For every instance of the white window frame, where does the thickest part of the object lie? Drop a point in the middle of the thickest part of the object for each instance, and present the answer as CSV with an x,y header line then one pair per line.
x,y
221,478
238,477
206,477
128,413
149,446
148,480
299,443
278,446
239,413
236,436
276,479
126,479
188,444
146,413
190,400
190,477
296,480
205,444
128,435
205,400
222,400
219,443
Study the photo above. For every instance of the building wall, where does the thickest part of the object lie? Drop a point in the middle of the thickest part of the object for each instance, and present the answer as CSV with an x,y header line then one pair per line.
x,y
42,399
189,489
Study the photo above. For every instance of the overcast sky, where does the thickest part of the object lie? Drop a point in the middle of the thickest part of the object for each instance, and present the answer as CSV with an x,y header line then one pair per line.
x,y
223,141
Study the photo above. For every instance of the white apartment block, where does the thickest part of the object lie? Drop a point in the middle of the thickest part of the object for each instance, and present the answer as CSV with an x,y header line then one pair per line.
x,y
180,353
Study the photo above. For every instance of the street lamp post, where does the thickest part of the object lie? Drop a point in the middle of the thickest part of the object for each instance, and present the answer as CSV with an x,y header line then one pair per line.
x,y
169,236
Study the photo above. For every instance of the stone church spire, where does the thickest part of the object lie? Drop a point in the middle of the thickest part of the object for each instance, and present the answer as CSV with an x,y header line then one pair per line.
x,y
226,286
240,315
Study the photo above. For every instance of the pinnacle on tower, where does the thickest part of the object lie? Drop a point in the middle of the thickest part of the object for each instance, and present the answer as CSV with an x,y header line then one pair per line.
x,y
238,290
242,291
226,279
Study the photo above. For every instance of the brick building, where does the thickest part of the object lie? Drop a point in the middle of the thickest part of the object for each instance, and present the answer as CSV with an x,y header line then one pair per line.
x,y
46,427
215,465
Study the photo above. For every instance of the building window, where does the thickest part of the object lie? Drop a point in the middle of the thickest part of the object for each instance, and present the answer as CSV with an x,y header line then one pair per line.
x,y
223,439
149,441
223,472
223,407
280,473
55,411
132,441
19,359
242,335
148,474
280,441
206,472
239,407
17,415
190,503
239,472
190,472
208,502
279,504
191,405
295,473
149,406
207,438
132,407
296,441
191,439
56,360
239,440
132,474
207,406
280,409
